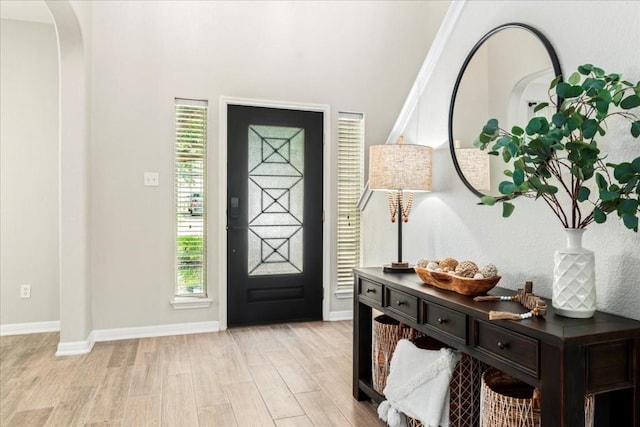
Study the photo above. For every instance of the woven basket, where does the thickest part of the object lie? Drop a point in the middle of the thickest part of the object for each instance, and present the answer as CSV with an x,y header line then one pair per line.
x,y
386,334
464,389
507,402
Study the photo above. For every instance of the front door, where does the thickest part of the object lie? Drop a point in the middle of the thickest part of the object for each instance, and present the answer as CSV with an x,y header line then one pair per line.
x,y
274,215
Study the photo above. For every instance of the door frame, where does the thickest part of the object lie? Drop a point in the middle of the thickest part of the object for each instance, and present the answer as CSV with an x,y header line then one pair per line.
x,y
222,195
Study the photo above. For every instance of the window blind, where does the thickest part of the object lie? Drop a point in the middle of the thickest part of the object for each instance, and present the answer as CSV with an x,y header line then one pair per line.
x,y
191,197
350,183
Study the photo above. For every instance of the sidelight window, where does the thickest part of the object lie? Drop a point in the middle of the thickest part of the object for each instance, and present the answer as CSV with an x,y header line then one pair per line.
x,y
350,183
191,197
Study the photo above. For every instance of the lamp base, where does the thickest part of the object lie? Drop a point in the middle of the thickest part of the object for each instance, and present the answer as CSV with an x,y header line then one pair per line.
x,y
398,267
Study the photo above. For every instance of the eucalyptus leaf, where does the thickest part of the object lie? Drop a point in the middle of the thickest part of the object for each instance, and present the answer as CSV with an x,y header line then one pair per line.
x,y
566,90
574,78
502,142
631,222
631,184
585,69
617,97
601,182
558,119
608,196
507,188
604,95
506,156
603,107
488,200
592,84
518,177
628,206
599,216
635,129
571,124
507,209
484,138
540,106
624,172
517,130
583,194
631,101
533,127
491,127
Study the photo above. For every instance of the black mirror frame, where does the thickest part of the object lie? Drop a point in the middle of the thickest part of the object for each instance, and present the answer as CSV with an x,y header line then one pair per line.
x,y
556,69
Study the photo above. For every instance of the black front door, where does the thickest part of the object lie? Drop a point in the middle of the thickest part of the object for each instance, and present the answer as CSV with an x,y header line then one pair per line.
x,y
274,215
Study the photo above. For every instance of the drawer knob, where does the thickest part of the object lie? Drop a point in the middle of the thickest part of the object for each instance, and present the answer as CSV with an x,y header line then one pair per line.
x,y
371,291
441,320
502,345
399,303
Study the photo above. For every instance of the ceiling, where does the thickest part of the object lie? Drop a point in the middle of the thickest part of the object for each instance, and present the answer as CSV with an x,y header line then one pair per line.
x,y
25,10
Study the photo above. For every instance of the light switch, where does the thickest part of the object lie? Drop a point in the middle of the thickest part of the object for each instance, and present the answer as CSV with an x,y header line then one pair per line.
x,y
151,179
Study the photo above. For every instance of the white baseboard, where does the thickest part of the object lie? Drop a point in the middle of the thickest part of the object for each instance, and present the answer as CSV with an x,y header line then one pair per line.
x,y
75,348
340,315
29,328
155,331
101,335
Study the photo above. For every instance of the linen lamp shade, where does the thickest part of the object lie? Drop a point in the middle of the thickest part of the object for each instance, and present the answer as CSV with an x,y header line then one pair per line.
x,y
396,167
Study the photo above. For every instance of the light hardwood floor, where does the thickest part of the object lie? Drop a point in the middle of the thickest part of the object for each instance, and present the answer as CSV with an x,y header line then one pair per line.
x,y
288,375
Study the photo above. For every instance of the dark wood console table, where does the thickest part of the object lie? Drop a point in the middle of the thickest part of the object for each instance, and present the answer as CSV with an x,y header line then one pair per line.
x,y
566,359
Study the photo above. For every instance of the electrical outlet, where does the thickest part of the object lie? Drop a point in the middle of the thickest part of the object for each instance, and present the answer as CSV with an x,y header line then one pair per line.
x,y
151,179
25,291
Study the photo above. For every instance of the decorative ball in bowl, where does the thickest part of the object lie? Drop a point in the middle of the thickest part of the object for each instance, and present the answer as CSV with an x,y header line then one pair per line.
x,y
452,278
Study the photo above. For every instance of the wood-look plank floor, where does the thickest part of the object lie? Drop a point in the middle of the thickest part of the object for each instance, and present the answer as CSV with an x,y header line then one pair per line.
x,y
286,375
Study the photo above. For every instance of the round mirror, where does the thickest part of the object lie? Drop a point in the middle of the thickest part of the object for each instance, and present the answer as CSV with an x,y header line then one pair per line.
x,y
506,74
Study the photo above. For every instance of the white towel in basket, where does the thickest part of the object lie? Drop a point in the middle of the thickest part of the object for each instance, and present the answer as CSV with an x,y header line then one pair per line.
x,y
418,385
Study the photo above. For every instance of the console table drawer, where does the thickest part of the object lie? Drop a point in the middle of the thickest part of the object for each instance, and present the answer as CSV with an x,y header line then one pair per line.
x,y
446,320
519,350
370,290
404,304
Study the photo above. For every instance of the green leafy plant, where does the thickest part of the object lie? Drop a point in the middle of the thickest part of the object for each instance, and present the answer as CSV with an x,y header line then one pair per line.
x,y
190,272
560,162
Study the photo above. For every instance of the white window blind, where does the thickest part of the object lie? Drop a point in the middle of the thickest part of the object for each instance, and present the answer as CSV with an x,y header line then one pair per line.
x,y
350,183
191,197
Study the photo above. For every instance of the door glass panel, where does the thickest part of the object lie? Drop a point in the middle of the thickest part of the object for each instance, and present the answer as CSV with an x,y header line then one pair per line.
x,y
276,195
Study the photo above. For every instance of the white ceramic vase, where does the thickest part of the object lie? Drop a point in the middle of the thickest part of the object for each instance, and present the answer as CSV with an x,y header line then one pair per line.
x,y
574,278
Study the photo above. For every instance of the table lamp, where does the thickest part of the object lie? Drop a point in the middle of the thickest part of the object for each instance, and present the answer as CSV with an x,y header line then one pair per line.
x,y
474,164
400,168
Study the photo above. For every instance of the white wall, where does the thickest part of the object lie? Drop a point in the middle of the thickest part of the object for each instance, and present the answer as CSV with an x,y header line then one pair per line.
x,y
448,222
29,194
353,56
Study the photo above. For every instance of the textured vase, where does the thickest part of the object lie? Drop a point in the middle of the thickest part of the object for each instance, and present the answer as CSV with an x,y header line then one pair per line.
x,y
574,278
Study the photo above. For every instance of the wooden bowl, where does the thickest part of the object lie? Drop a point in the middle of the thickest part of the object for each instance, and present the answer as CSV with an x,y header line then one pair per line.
x,y
457,284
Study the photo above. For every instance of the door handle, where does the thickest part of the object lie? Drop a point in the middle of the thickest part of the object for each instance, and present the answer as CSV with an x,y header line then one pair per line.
x,y
234,208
